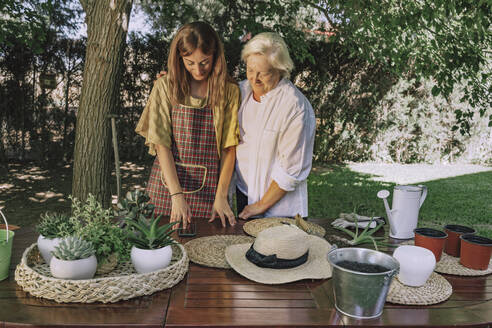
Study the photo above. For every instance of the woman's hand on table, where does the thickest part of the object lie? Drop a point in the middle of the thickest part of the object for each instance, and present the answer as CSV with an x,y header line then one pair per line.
x,y
251,210
222,209
180,210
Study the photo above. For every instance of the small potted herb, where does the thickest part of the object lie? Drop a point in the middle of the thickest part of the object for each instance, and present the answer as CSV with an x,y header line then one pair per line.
x,y
95,224
73,258
52,228
151,249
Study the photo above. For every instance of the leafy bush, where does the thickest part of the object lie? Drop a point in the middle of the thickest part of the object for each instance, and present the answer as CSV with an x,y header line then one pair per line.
x,y
55,225
415,126
95,224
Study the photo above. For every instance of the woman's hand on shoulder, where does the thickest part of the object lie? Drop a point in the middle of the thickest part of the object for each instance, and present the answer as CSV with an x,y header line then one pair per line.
x,y
159,75
180,210
222,210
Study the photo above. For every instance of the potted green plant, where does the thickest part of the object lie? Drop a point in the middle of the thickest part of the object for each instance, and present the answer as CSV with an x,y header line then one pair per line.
x,y
73,258
134,204
151,249
52,228
96,224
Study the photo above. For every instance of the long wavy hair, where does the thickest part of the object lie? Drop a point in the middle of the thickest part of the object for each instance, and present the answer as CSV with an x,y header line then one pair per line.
x,y
192,36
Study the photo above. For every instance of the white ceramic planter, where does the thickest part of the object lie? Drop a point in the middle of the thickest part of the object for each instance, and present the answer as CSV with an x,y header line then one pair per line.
x,y
46,246
148,260
416,264
76,269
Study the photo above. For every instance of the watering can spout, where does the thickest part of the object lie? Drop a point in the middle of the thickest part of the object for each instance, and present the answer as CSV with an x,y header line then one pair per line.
x,y
383,194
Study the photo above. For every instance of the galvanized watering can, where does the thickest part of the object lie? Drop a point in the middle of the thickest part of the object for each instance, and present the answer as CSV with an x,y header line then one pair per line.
x,y
403,218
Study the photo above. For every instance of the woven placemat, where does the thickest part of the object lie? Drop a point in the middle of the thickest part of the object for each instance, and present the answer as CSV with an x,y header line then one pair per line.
x,y
451,265
210,251
123,283
253,227
436,290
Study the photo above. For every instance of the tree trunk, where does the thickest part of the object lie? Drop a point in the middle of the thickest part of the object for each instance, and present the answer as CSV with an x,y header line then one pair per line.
x,y
107,24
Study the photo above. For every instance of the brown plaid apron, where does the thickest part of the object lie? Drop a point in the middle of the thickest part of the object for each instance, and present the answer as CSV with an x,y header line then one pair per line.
x,y
194,148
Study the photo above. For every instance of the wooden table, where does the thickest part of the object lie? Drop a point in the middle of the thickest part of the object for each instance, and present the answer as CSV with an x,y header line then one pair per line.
x,y
216,297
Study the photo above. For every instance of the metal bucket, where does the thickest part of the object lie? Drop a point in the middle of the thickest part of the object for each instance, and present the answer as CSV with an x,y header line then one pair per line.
x,y
358,294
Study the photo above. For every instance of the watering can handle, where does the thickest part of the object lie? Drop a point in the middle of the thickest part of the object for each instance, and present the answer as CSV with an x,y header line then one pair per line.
x,y
6,225
424,194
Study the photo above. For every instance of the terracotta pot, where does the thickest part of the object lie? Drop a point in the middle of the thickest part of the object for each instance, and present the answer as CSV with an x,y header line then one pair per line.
x,y
475,252
432,239
453,242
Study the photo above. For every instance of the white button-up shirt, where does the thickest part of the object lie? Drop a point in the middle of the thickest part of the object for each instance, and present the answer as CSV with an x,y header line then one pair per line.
x,y
278,146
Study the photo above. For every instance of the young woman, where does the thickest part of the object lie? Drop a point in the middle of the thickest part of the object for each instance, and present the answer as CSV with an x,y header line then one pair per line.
x,y
190,122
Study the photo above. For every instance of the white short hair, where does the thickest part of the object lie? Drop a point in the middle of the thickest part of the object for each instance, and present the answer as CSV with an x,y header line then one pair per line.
x,y
273,47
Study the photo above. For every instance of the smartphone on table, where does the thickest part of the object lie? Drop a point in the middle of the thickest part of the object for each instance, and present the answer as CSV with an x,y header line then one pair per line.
x,y
190,230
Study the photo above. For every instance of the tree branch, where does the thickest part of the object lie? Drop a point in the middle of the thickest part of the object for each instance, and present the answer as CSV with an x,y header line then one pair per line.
x,y
325,13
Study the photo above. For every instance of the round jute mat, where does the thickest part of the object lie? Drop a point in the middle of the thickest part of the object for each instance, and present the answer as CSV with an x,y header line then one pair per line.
x,y
436,290
210,251
253,227
451,265
33,275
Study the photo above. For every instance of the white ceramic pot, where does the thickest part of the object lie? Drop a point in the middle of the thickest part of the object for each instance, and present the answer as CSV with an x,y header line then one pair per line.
x,y
76,269
46,246
148,260
416,264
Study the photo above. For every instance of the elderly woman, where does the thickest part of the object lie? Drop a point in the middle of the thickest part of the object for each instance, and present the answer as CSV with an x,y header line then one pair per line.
x,y
277,126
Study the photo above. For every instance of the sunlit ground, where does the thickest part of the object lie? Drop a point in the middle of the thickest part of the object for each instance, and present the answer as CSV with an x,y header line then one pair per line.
x,y
415,173
30,190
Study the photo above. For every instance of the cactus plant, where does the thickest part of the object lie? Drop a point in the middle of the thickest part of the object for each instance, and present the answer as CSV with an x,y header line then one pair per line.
x,y
73,248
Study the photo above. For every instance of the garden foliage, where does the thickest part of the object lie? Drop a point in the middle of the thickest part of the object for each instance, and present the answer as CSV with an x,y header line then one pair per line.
x,y
392,81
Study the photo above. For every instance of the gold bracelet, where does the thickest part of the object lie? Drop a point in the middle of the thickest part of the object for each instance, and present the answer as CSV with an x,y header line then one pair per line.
x,y
176,193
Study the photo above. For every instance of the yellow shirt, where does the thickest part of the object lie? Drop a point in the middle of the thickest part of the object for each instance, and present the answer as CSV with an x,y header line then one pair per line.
x,y
155,123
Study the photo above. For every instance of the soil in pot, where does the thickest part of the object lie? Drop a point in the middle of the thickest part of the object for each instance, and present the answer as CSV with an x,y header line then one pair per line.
x,y
453,242
432,239
362,267
475,252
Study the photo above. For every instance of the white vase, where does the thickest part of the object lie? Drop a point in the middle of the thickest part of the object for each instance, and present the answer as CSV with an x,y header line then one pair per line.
x,y
76,269
46,246
416,264
148,260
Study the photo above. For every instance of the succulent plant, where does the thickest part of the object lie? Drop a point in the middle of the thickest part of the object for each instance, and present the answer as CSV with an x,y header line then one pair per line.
x,y
73,248
147,234
135,203
55,225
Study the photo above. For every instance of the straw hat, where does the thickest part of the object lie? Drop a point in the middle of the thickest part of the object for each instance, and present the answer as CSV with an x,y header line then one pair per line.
x,y
281,254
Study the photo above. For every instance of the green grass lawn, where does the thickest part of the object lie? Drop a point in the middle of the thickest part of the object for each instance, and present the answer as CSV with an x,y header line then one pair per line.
x,y
465,199
28,190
